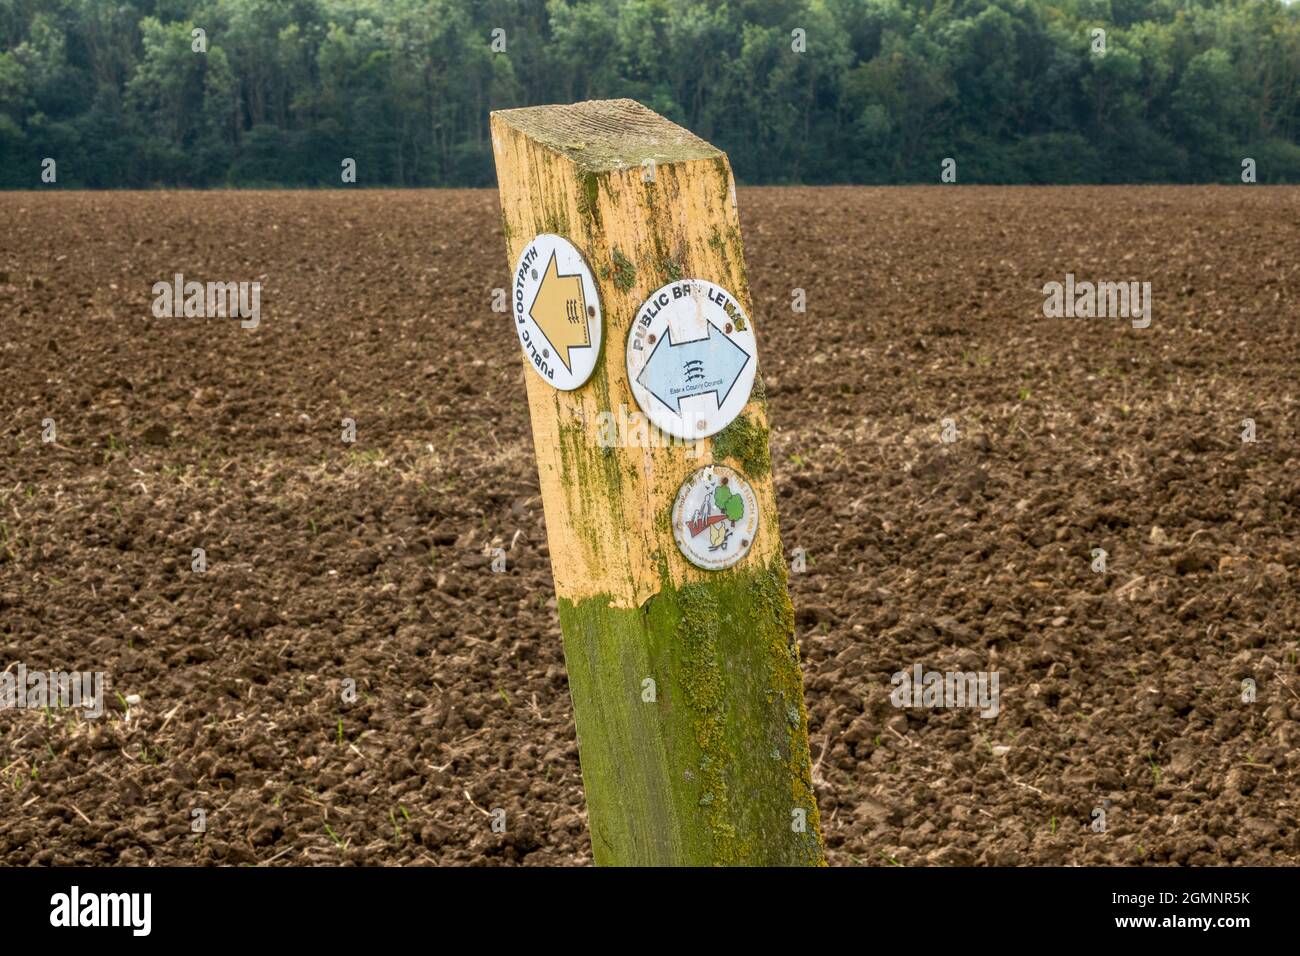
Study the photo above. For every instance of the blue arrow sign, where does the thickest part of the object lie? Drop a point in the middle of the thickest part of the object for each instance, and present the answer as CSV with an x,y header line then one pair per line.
x,y
678,370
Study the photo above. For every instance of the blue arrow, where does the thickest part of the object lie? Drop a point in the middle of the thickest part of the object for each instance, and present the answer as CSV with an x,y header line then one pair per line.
x,y
686,369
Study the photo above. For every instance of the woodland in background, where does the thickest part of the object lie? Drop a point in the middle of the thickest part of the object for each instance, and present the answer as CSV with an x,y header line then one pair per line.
x,y
885,90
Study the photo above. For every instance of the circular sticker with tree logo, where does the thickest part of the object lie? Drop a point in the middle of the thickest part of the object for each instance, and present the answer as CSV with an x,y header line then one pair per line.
x,y
715,517
557,311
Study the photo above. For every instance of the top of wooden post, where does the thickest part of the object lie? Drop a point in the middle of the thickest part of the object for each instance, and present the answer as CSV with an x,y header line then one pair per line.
x,y
600,135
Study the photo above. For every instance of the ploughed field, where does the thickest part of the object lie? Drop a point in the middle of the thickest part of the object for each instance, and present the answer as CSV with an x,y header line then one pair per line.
x,y
335,566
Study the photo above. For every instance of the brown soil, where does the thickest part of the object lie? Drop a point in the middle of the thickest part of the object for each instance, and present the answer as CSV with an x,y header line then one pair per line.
x,y
371,562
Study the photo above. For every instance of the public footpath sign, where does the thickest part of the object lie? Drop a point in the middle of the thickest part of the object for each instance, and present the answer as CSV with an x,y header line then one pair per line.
x,y
557,312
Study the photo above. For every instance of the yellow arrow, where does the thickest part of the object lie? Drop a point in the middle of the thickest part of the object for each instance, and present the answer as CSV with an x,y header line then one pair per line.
x,y
560,311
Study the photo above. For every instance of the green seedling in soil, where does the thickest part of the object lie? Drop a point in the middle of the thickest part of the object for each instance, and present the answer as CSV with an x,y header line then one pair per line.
x,y
887,857
368,457
796,460
397,828
340,731
335,837
1155,770
504,696
1051,826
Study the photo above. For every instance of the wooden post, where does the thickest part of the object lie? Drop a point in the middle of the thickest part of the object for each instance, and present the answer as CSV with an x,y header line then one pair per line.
x,y
686,687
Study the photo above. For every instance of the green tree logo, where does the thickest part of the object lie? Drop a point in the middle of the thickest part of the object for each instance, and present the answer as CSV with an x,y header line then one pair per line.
x,y
729,503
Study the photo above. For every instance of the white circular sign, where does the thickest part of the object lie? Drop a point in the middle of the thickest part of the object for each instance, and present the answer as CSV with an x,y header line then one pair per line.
x,y
557,311
715,517
691,358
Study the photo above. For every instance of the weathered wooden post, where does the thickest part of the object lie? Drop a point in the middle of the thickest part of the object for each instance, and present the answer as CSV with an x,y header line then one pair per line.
x,y
629,296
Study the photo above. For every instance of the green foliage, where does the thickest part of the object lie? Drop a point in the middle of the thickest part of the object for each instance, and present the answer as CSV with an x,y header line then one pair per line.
x,y
883,91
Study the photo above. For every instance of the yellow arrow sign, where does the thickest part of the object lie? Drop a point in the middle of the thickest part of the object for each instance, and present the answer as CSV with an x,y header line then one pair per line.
x,y
560,311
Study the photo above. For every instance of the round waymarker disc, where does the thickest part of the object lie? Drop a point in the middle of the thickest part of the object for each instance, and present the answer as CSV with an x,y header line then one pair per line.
x,y
557,312
691,358
715,517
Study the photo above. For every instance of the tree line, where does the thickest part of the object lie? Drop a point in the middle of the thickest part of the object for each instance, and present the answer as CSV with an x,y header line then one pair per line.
x,y
210,93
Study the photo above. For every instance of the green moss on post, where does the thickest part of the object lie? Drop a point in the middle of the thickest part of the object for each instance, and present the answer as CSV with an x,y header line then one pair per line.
x,y
624,271
745,442
589,196
709,765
